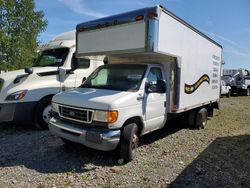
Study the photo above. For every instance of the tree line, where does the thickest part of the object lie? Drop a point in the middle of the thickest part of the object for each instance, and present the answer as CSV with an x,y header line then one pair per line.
x,y
20,25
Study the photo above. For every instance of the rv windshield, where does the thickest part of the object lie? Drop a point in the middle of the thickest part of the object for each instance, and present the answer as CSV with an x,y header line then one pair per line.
x,y
53,57
121,77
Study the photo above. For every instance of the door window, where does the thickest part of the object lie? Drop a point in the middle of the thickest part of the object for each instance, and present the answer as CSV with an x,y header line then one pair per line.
x,y
83,63
154,75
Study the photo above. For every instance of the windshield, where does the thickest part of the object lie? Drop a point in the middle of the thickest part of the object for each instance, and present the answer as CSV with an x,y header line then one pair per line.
x,y
121,77
53,57
247,78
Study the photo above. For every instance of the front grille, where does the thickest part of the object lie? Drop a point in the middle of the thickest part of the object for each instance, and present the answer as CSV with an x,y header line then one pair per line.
x,y
76,114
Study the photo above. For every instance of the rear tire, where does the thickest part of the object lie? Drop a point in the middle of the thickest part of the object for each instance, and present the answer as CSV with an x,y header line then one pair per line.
x,y
210,111
129,142
248,92
191,118
201,118
43,113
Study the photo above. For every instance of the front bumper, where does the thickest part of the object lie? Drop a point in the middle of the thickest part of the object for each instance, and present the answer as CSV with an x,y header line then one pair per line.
x,y
18,113
239,89
104,140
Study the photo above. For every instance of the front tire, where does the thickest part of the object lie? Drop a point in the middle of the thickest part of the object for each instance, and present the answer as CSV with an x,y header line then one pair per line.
x,y
43,113
129,142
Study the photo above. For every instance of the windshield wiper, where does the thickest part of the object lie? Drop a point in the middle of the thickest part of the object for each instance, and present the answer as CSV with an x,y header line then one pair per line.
x,y
110,87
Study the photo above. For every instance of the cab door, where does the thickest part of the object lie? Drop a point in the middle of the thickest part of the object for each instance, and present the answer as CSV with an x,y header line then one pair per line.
x,y
155,102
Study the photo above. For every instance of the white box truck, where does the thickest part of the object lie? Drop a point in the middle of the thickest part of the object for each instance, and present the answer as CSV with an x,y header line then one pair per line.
x,y
25,95
159,67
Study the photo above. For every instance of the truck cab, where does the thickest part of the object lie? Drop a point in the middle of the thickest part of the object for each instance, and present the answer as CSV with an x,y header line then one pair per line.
x,y
112,96
25,95
239,82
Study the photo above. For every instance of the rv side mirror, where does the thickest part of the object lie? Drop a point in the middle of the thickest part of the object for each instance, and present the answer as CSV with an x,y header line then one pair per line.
x,y
28,70
62,74
161,86
158,87
74,62
84,79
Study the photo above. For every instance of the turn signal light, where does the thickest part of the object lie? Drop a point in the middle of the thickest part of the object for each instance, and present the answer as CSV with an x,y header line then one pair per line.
x,y
139,17
80,29
112,116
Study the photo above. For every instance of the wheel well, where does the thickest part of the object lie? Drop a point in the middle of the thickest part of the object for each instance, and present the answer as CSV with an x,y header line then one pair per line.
x,y
138,122
47,96
215,105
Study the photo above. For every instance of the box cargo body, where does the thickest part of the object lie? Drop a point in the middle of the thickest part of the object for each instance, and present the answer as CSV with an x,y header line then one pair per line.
x,y
192,60
159,67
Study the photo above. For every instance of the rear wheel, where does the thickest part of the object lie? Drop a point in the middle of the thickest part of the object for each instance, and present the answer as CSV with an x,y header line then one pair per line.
x,y
201,118
210,112
129,142
191,118
248,92
43,113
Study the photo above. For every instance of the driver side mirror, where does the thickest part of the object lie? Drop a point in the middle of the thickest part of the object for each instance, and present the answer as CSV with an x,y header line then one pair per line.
x,y
62,74
28,70
158,87
74,62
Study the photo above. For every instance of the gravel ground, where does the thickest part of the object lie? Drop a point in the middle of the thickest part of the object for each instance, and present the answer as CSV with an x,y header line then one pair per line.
x,y
217,156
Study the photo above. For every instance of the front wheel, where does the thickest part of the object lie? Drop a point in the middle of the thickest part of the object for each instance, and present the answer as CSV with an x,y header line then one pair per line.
x,y
43,113
129,142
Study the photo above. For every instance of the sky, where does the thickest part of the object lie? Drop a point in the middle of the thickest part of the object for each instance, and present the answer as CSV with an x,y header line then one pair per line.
x,y
225,21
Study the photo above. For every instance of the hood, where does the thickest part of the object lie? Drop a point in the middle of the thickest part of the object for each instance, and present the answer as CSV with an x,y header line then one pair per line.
x,y
9,77
13,74
95,98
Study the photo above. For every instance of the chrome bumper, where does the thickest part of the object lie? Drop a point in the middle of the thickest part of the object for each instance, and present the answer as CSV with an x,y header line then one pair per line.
x,y
104,140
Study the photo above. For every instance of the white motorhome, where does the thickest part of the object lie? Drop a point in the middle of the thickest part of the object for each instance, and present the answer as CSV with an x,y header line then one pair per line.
x,y
25,95
159,67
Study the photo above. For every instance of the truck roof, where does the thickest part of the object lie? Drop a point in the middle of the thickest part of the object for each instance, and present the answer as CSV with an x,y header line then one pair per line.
x,y
66,39
69,35
130,17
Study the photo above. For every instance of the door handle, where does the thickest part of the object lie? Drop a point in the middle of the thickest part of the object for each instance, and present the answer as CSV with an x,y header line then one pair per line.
x,y
140,97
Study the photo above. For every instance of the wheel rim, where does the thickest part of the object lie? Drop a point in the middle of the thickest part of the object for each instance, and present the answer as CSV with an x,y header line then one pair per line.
x,y
204,122
135,143
47,114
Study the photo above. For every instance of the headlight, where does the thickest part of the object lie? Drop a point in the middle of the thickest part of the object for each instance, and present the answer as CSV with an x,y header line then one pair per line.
x,y
55,107
106,116
16,96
